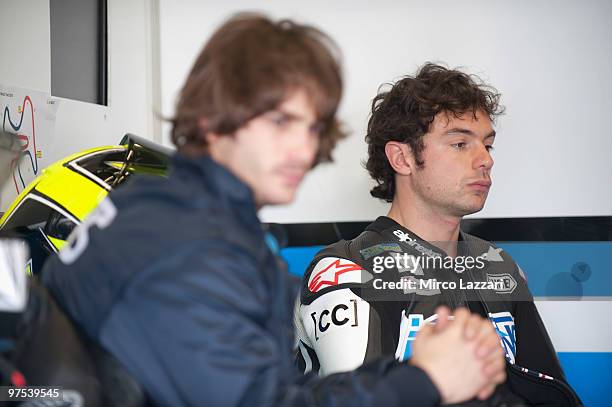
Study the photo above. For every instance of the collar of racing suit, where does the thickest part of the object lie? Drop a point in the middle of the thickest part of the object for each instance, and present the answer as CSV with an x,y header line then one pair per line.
x,y
492,301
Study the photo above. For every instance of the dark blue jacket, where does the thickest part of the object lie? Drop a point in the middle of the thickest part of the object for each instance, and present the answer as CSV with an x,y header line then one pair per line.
x,y
183,290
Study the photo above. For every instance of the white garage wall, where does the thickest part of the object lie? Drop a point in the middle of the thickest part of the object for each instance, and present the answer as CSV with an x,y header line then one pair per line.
x,y
25,49
25,44
550,59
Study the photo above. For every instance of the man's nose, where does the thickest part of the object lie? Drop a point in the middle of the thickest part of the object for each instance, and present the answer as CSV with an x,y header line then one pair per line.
x,y
305,146
484,159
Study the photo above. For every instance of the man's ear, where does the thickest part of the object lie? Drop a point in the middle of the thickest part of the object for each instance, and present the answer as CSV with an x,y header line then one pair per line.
x,y
400,157
209,136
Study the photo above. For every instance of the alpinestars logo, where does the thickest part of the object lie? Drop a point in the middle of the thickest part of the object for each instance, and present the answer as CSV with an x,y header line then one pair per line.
x,y
332,271
404,237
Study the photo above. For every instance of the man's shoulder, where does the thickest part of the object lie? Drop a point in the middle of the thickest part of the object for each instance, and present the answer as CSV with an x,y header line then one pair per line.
x,y
476,241
335,251
172,210
477,245
355,250
493,254
163,226
342,264
151,194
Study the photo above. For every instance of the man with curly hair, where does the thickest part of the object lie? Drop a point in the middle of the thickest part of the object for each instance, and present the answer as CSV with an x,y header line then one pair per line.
x,y
430,138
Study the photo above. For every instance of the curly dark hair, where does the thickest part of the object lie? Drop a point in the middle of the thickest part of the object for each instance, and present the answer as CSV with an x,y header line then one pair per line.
x,y
405,112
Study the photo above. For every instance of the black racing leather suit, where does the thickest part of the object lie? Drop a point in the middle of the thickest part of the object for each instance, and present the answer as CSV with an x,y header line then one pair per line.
x,y
342,320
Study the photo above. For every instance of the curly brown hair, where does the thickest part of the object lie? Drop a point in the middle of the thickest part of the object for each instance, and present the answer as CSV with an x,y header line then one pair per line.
x,y
404,113
250,66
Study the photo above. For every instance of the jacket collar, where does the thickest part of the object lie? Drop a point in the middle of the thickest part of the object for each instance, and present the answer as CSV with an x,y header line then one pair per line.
x,y
216,177
383,223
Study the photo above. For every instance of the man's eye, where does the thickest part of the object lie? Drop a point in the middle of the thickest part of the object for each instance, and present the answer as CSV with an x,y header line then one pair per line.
x,y
459,145
317,128
490,148
278,118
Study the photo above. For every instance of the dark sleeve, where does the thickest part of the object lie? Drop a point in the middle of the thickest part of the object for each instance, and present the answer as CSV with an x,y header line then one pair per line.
x,y
535,350
196,329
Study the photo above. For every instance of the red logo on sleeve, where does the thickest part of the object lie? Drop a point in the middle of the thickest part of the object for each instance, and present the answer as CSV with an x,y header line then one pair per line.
x,y
332,271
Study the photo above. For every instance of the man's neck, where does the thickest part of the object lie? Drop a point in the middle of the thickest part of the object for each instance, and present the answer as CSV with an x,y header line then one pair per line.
x,y
439,229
